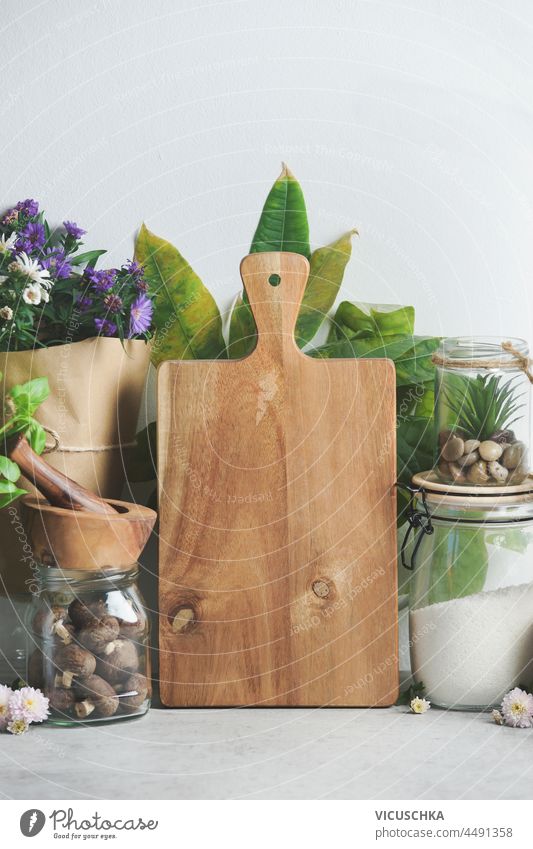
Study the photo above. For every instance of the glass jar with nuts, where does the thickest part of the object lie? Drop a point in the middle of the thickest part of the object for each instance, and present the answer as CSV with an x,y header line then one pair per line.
x,y
482,411
89,645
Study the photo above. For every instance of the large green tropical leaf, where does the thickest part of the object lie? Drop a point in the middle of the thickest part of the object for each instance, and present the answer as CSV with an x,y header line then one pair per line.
x,y
282,226
186,317
371,319
283,223
242,330
414,445
325,278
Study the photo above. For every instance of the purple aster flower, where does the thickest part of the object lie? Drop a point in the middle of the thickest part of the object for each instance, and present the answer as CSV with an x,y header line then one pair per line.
x,y
28,207
113,303
32,237
100,281
85,304
10,217
56,263
73,229
133,268
105,327
142,310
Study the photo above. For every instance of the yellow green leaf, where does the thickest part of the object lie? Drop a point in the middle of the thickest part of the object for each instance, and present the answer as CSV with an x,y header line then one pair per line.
x,y
186,317
325,278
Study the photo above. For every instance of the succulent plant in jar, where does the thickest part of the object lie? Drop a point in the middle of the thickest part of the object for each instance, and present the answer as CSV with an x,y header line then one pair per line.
x,y
479,413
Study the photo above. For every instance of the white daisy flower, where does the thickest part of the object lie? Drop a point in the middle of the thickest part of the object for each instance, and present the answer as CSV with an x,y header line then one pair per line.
x,y
7,244
31,268
45,296
6,313
419,705
32,294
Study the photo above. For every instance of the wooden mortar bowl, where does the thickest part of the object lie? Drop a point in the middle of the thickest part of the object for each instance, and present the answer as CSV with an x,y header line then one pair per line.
x,y
92,542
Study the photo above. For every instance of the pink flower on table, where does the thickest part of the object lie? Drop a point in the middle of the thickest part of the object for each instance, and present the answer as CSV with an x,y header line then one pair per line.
x,y
517,708
5,695
28,704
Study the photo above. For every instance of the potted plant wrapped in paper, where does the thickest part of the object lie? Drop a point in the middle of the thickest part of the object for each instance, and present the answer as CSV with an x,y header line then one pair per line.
x,y
86,331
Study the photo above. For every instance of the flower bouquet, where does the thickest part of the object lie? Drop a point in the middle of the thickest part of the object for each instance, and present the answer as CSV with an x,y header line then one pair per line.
x,y
84,329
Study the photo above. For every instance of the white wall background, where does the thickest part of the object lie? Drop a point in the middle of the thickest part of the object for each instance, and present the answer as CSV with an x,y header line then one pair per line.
x,y
410,119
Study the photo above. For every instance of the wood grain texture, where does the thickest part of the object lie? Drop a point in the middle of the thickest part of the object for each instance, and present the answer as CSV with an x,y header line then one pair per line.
x,y
277,518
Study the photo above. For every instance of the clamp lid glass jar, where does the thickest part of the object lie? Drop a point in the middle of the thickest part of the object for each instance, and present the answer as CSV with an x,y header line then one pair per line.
x,y
89,651
482,411
471,596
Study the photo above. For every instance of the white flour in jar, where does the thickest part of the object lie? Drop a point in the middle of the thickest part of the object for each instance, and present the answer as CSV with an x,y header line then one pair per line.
x,y
470,651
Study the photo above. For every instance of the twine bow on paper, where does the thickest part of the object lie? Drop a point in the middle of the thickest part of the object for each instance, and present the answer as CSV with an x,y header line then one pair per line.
x,y
521,361
80,449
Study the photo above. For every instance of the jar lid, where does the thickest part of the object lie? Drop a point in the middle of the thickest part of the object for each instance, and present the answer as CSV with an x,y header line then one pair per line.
x,y
476,503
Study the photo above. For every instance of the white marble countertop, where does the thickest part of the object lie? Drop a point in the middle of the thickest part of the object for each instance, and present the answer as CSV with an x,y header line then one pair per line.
x,y
272,753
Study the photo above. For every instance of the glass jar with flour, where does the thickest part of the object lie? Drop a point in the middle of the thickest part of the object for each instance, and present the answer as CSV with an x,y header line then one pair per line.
x,y
471,594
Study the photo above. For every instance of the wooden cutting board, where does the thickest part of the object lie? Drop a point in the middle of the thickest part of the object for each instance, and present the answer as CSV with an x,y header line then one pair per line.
x,y
277,518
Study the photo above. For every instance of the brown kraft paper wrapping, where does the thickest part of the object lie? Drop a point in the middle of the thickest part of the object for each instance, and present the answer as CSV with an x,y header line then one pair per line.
x,y
96,388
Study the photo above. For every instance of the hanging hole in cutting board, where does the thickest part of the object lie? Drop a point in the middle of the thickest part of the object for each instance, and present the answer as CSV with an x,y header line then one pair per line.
x,y
274,279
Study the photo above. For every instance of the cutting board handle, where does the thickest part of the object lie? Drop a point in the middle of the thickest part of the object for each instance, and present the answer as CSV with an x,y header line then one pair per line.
x,y
275,284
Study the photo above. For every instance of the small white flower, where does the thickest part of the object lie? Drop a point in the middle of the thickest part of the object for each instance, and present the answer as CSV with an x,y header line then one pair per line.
x,y
8,244
517,708
419,705
18,726
6,313
5,695
45,297
31,268
32,294
497,717
3,278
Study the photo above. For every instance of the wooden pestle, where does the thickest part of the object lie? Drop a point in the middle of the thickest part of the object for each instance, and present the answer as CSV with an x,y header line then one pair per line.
x,y
57,488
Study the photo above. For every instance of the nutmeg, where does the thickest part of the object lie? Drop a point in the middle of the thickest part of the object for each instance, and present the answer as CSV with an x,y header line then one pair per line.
x,y
98,698
45,618
133,692
61,700
76,660
119,663
84,613
98,633
133,630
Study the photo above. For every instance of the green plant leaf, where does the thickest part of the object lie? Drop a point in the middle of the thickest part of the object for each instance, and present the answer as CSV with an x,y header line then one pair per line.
x,y
186,317
9,469
28,396
36,436
283,224
88,258
242,330
414,445
9,492
371,319
325,278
